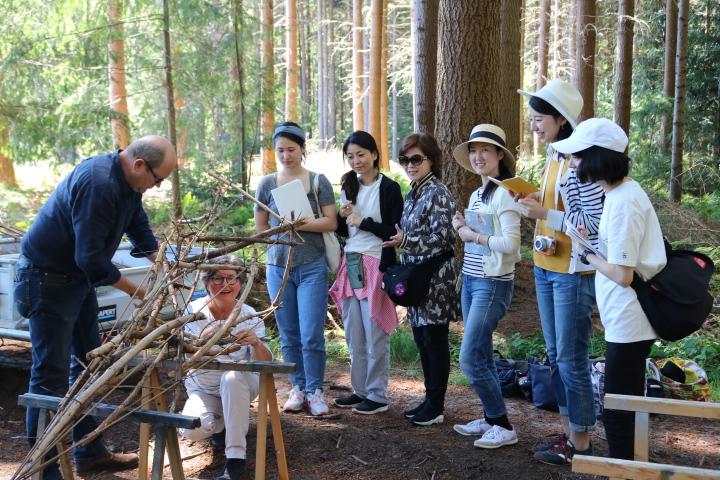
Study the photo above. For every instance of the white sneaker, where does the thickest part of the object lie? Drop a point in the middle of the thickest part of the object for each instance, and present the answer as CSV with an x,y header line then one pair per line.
x,y
496,437
315,403
295,401
476,427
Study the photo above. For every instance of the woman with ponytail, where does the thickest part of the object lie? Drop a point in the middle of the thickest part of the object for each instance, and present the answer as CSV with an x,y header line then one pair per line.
x,y
371,206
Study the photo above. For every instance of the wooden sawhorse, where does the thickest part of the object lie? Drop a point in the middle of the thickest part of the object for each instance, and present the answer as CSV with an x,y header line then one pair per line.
x,y
640,468
266,397
167,425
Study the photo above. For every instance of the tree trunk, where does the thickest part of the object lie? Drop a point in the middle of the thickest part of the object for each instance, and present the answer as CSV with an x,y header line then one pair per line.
x,y
358,70
268,98
182,130
384,120
116,68
332,110
7,170
291,85
395,116
425,45
240,169
557,39
366,61
176,201
375,90
585,59
303,39
466,95
679,111
572,54
511,80
623,75
543,40
322,76
671,12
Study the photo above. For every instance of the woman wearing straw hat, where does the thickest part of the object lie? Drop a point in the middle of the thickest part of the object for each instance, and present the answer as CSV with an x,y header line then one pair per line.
x,y
488,277
565,287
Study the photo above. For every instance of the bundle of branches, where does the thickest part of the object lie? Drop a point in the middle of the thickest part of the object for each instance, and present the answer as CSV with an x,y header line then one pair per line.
x,y
154,340
11,234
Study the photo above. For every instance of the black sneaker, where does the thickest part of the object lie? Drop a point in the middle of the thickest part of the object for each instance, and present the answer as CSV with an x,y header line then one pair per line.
x,y
555,439
427,417
561,454
351,400
414,411
217,440
368,407
233,469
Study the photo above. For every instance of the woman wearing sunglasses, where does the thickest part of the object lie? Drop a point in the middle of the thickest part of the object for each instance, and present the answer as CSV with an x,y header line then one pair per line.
x,y
425,232
488,276
222,399
370,206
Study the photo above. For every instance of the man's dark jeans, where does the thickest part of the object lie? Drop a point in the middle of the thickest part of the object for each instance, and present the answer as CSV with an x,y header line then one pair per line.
x,y
62,313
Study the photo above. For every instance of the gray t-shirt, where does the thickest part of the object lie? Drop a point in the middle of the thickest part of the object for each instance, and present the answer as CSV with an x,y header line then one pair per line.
x,y
314,246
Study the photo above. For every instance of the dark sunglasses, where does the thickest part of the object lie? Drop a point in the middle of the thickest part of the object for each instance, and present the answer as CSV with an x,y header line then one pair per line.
x,y
415,160
158,180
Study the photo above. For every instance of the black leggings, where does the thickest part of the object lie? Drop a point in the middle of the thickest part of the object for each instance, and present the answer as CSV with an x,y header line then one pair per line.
x,y
432,341
624,375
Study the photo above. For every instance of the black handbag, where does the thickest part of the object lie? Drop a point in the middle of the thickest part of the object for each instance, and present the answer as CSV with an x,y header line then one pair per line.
x,y
676,301
408,284
543,392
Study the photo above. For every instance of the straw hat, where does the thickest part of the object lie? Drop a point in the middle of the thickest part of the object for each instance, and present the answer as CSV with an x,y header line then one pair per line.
x,y
561,95
489,134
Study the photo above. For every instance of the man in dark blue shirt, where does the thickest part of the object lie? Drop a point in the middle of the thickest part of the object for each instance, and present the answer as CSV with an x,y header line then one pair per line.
x,y
66,254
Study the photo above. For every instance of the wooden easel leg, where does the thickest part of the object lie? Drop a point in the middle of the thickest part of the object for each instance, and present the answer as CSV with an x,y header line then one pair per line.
x,y
261,427
42,421
173,448
144,433
276,428
159,455
642,432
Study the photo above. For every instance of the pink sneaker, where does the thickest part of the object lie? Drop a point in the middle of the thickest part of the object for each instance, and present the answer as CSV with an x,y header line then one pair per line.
x,y
315,403
295,401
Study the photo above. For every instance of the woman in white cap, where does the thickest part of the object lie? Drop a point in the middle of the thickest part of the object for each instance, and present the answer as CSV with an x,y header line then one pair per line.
x,y
488,277
301,321
565,287
631,240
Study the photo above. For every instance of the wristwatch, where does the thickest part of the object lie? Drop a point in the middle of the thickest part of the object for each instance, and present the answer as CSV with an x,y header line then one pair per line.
x,y
583,257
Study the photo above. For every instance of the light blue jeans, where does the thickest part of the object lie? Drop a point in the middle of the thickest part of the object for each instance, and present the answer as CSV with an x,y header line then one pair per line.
x,y
565,301
301,320
484,303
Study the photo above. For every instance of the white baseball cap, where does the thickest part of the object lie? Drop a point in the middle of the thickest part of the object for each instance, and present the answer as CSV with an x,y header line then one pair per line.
x,y
597,132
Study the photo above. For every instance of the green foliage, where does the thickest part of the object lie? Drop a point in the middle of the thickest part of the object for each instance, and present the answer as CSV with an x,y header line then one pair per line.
x,y
518,347
402,346
458,378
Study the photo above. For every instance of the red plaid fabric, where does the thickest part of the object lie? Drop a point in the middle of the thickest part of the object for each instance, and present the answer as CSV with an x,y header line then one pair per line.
x,y
382,309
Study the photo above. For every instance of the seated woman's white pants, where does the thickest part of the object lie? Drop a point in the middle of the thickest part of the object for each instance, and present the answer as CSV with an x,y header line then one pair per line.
x,y
227,407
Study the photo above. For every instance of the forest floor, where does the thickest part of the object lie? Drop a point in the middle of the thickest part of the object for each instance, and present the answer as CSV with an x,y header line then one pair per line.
x,y
383,446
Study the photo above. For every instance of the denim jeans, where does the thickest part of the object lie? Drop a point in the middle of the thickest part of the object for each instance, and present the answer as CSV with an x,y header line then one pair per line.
x,y
432,341
484,303
301,320
565,301
62,312
624,375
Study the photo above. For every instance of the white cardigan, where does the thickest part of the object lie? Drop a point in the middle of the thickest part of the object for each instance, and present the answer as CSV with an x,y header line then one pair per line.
x,y
505,238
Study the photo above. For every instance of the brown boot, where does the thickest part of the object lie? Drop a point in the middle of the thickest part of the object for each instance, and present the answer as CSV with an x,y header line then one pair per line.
x,y
108,462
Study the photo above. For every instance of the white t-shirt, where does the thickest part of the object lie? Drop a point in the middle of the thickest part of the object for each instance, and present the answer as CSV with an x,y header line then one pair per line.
x,y
208,381
366,205
630,235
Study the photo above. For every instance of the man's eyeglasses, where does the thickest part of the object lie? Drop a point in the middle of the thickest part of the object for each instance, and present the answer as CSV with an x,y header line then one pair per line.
x,y
221,280
158,180
415,160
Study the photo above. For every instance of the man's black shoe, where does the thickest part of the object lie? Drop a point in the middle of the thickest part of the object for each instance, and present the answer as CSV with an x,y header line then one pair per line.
x,y
217,440
233,469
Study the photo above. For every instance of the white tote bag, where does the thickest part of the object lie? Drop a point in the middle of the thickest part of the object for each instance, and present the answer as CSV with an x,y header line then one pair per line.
x,y
333,252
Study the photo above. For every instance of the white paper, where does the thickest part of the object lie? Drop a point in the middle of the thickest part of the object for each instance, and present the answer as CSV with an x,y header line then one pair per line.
x,y
575,235
292,199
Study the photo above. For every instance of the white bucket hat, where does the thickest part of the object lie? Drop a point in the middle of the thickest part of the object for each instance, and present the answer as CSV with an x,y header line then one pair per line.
x,y
561,95
594,132
489,134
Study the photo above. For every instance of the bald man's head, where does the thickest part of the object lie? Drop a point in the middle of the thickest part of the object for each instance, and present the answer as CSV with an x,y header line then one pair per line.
x,y
153,149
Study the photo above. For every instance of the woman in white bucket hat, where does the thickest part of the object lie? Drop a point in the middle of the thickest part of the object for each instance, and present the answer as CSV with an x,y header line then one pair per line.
x,y
488,277
565,287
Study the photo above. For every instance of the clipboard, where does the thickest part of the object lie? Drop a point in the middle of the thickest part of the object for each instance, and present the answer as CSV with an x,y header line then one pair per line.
x,y
290,198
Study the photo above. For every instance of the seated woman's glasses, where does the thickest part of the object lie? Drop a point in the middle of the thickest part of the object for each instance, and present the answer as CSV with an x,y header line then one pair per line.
x,y
415,160
220,280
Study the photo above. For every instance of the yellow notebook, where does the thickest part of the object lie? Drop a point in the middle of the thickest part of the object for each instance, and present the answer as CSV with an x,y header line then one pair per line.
x,y
516,184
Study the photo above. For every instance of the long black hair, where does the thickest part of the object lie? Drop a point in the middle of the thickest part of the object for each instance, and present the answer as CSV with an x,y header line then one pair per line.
x,y
544,108
599,163
350,184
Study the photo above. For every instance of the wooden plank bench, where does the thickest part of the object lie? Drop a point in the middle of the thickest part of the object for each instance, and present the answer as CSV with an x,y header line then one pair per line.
x,y
267,403
165,436
640,467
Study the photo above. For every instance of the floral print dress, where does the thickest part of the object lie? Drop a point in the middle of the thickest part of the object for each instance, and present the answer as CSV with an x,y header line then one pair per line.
x,y
427,232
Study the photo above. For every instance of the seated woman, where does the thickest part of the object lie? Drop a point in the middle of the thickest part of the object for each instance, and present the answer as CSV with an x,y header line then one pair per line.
x,y
222,399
